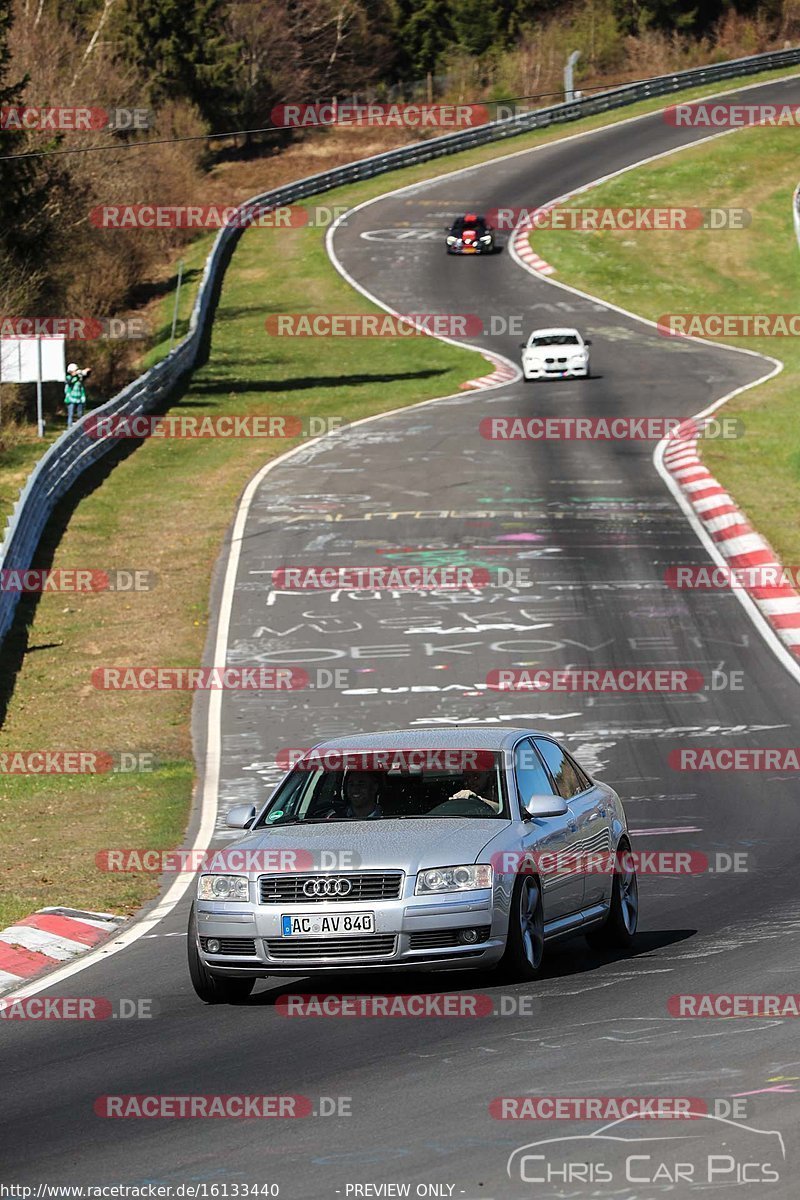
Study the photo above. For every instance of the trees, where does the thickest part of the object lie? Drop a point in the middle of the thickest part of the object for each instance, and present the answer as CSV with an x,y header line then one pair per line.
x,y
424,32
26,215
179,47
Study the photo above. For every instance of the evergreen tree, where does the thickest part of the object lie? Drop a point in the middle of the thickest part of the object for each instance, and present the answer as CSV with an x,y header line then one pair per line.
x,y
424,33
179,46
476,25
25,227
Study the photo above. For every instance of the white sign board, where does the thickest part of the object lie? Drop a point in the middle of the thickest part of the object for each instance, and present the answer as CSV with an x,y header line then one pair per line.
x,y
19,360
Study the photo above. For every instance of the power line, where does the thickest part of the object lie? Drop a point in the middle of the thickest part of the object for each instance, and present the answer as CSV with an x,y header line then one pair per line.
x,y
230,133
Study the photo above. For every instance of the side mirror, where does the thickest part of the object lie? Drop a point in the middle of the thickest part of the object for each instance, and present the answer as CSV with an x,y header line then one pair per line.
x,y
587,341
523,345
545,806
241,816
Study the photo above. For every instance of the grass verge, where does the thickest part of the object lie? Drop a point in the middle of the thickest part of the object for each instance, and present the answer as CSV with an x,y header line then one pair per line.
x,y
165,508
750,270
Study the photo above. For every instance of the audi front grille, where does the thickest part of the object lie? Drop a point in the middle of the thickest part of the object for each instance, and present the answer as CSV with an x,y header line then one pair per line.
x,y
376,946
361,886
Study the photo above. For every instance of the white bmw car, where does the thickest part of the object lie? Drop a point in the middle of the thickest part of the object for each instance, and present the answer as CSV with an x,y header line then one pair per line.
x,y
555,354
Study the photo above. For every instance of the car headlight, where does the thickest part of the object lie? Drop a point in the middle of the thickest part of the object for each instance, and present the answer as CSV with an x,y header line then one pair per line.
x,y
453,879
451,241
223,887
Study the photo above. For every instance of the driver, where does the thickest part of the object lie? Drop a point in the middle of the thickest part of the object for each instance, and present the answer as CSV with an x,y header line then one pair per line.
x,y
361,794
480,786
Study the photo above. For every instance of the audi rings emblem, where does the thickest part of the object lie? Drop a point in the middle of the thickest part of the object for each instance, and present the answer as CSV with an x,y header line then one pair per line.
x,y
327,886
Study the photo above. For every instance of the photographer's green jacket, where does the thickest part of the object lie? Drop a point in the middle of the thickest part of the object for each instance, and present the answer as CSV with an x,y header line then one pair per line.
x,y
74,391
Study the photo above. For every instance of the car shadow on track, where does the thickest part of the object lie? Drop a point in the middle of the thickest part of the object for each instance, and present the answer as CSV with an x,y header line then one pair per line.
x,y
569,959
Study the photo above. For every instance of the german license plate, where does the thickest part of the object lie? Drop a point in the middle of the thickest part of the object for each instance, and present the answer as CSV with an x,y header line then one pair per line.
x,y
327,925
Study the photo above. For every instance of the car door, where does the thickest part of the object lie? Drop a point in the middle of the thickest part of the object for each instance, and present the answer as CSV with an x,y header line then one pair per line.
x,y
589,804
550,841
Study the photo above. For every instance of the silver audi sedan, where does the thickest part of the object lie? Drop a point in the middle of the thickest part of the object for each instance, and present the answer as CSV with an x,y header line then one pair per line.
x,y
426,849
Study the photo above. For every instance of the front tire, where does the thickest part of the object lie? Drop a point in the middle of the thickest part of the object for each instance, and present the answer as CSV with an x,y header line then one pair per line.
x,y
212,989
524,951
619,928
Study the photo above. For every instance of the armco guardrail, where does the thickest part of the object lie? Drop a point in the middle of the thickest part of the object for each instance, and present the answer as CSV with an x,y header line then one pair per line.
x,y
76,450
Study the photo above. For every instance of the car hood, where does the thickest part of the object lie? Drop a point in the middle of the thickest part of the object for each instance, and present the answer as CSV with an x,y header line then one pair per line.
x,y
409,845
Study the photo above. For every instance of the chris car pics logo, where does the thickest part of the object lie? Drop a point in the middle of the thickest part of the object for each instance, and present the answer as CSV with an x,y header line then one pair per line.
x,y
714,1152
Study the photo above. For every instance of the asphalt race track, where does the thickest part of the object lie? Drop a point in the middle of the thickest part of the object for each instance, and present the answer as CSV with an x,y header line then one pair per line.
x,y
596,528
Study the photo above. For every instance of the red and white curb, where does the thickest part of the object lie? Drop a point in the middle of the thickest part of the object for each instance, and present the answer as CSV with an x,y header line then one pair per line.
x,y
502,373
735,538
47,939
523,249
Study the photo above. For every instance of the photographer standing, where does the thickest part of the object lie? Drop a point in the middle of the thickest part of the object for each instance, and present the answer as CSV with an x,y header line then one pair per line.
x,y
75,392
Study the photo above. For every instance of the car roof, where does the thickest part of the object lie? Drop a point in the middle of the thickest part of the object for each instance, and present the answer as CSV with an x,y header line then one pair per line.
x,y
554,329
465,737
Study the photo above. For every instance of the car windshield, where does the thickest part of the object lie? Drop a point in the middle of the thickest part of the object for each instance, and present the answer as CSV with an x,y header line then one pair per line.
x,y
321,795
479,225
556,339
